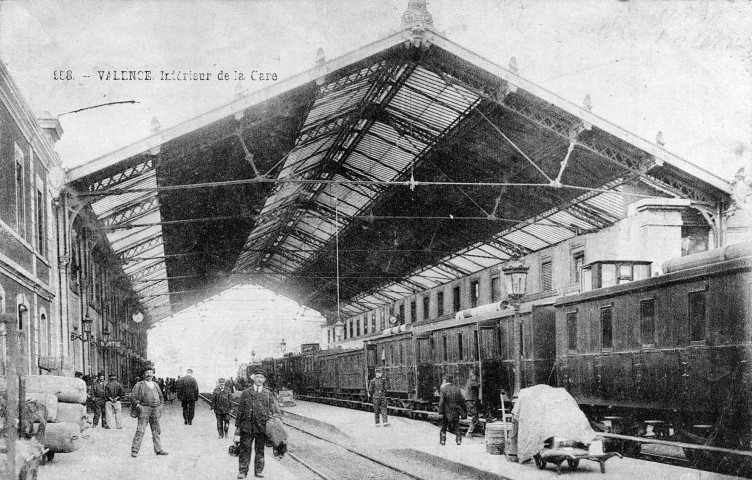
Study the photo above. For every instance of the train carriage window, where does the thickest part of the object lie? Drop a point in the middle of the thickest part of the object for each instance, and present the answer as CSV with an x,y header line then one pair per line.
x,y
460,352
572,331
413,311
357,327
546,276
647,322
474,293
697,316
401,357
495,289
475,345
426,306
439,304
401,317
607,338
446,350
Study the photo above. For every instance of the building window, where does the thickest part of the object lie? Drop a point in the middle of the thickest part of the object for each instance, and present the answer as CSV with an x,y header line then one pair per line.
x,y
426,307
578,261
546,280
474,293
357,327
495,289
446,350
440,304
607,340
475,345
413,311
382,320
697,316
572,331
373,322
647,322
456,299
351,328
20,193
365,324
460,352
401,318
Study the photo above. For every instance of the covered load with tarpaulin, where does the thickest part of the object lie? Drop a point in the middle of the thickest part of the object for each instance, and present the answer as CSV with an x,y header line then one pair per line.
x,y
542,412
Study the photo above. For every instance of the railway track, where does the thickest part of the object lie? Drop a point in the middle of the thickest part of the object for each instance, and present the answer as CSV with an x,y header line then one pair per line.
x,y
330,460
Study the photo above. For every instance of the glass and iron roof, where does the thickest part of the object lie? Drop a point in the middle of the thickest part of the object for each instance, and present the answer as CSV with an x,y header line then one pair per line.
x,y
370,177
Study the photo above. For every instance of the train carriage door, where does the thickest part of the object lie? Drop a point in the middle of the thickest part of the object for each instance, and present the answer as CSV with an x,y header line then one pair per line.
x,y
424,370
540,350
491,366
372,360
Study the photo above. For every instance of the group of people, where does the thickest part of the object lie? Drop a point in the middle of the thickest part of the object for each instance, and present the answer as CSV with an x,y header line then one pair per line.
x,y
104,399
453,405
256,406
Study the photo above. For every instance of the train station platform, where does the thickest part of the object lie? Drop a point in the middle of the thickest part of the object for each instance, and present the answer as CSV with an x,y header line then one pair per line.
x,y
195,452
406,438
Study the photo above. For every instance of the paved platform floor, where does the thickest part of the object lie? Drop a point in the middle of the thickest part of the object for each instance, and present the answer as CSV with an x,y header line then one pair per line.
x,y
420,440
195,452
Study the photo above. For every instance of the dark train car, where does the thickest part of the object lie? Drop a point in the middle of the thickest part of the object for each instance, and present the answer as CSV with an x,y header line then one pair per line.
x,y
395,354
343,374
538,336
269,366
673,350
305,373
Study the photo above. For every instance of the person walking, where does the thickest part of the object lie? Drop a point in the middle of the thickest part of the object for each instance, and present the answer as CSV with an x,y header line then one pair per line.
x,y
113,393
451,408
377,389
257,406
472,389
188,394
98,400
147,398
221,406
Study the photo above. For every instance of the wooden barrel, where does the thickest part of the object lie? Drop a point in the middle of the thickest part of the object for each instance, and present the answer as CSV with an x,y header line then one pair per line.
x,y
48,400
495,435
72,413
67,389
62,437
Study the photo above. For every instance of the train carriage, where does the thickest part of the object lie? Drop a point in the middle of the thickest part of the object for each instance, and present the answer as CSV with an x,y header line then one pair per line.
x,y
395,354
670,351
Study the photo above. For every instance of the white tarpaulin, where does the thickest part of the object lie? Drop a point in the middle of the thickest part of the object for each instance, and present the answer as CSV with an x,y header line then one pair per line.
x,y
542,412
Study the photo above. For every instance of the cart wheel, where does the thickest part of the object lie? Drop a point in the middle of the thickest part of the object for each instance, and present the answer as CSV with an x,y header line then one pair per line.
x,y
540,462
573,463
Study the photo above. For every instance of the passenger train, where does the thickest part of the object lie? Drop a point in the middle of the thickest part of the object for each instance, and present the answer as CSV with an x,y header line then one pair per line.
x,y
668,354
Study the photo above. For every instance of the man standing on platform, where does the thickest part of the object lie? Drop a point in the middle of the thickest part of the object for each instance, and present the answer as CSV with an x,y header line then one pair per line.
x,y
377,390
113,392
98,400
257,406
472,387
221,406
451,408
148,400
188,394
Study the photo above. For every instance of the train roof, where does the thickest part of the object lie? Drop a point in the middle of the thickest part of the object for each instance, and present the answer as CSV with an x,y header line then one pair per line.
x,y
713,262
339,150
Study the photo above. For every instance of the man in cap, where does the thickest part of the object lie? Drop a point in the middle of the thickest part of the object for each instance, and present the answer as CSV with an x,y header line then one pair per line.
x,y
188,394
98,395
221,406
451,408
113,393
377,390
147,398
257,405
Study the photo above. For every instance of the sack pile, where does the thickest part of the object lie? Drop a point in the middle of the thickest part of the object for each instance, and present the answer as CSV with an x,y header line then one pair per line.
x,y
65,399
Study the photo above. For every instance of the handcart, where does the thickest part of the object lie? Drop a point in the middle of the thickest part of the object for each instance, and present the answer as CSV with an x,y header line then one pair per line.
x,y
572,456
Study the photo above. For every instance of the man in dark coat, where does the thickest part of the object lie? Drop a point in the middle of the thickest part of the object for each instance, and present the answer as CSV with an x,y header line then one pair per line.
x,y
451,408
257,406
98,400
377,389
472,389
188,394
221,406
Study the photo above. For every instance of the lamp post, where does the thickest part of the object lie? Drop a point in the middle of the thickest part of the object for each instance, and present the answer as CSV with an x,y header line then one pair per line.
x,y
515,280
339,330
283,346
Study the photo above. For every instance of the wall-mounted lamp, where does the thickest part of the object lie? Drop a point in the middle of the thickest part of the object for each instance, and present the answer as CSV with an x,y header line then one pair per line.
x,y
86,334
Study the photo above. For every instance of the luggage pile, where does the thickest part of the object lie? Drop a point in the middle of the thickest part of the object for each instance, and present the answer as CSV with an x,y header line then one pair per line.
x,y
65,401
